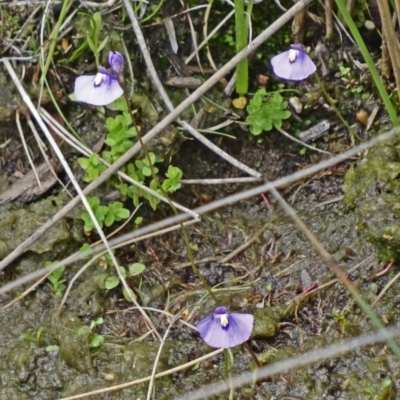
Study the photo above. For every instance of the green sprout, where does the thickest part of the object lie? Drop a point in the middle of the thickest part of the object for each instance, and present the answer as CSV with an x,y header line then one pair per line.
x,y
96,339
57,284
105,215
93,37
92,166
33,338
112,281
174,175
266,111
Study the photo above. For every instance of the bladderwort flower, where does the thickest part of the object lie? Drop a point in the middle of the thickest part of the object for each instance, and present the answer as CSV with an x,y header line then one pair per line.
x,y
103,88
223,330
293,64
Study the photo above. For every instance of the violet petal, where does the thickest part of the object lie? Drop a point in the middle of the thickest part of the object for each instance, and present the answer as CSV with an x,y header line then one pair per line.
x,y
116,62
87,92
238,330
297,70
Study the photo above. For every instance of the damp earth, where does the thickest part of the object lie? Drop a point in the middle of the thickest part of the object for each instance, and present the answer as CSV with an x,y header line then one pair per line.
x,y
96,339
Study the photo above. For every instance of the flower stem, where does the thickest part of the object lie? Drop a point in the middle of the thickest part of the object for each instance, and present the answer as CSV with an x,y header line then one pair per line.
x,y
53,38
370,62
253,355
228,363
242,69
338,113
165,194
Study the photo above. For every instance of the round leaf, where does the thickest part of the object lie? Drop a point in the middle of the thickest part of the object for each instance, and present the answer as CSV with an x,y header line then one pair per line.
x,y
129,294
136,269
111,282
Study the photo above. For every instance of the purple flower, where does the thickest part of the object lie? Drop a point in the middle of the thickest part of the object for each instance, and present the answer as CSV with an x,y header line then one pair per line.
x,y
103,88
116,62
224,330
293,64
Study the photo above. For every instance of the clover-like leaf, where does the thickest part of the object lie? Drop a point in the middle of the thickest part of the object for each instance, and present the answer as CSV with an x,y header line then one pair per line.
x,y
266,112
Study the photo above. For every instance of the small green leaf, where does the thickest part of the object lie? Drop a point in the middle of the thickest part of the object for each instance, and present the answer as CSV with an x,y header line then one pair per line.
x,y
136,269
128,295
386,383
91,44
84,162
96,341
28,336
111,282
102,44
110,142
97,20
196,366
123,271
84,248
146,171
264,113
118,105
123,213
39,333
56,274
109,220
99,321
51,348
138,220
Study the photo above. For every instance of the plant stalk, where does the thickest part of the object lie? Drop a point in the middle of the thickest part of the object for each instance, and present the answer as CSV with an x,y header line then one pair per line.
x,y
368,59
242,68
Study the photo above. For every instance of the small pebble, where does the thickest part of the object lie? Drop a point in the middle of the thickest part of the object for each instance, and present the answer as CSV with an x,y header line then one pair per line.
x,y
362,116
369,25
374,288
296,104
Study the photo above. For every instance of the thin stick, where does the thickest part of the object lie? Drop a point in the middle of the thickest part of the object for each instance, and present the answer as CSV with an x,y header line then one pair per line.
x,y
245,245
281,182
65,135
328,19
194,41
219,181
391,39
334,266
42,148
71,176
300,142
284,366
206,17
161,125
157,82
21,134
53,37
153,372
209,36
201,138
182,321
142,380
27,291
385,289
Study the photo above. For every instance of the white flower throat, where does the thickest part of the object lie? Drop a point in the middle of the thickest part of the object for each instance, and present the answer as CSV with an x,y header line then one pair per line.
x,y
293,55
224,320
99,79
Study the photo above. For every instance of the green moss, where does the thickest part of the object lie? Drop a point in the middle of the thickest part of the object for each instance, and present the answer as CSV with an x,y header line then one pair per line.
x,y
381,166
266,321
373,188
